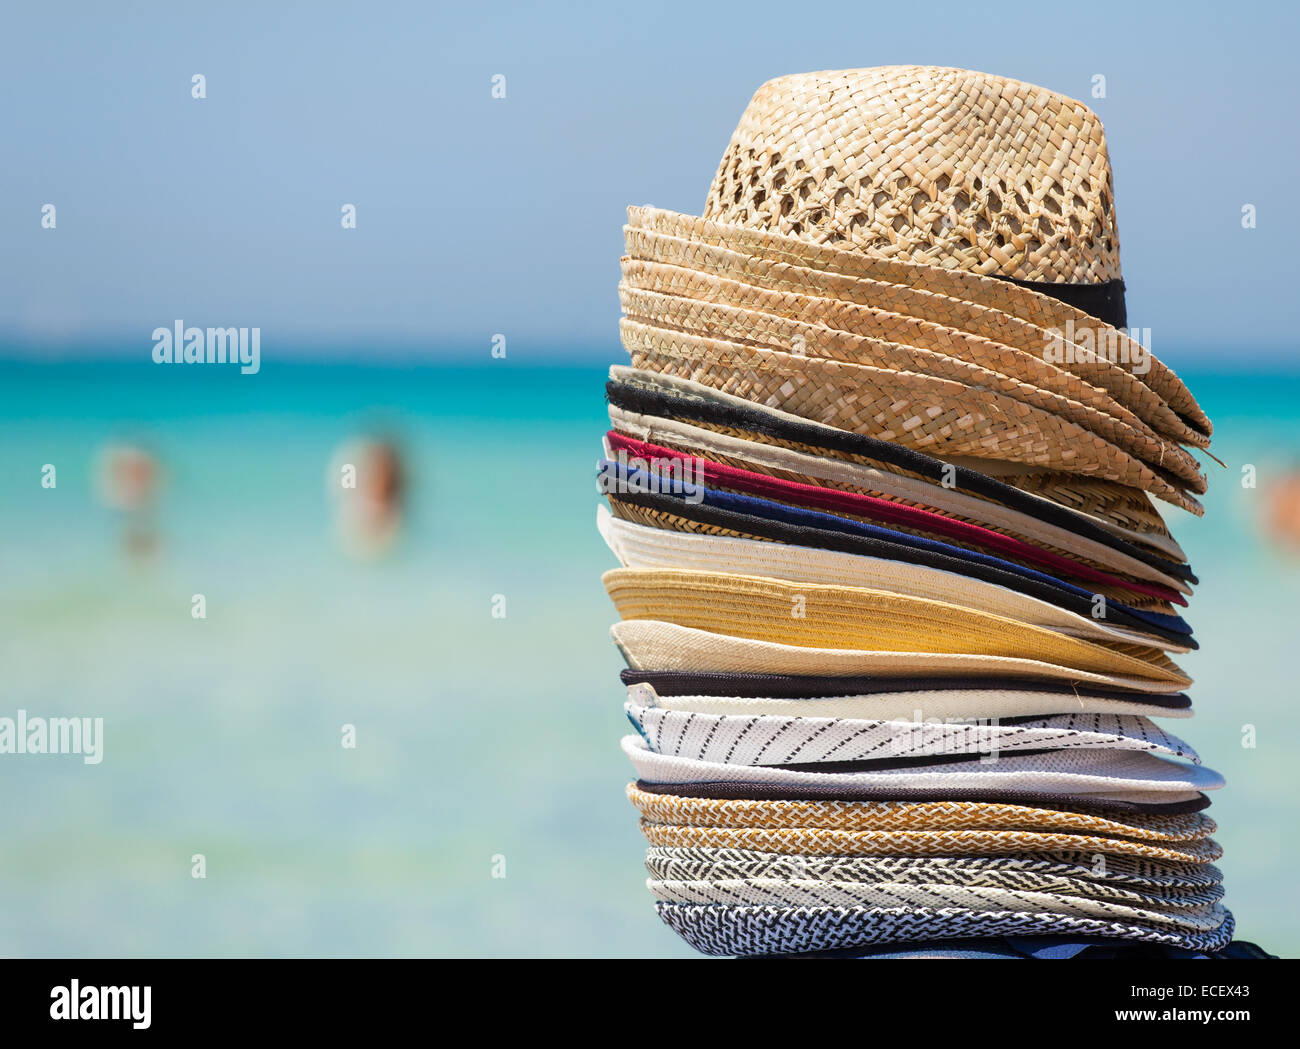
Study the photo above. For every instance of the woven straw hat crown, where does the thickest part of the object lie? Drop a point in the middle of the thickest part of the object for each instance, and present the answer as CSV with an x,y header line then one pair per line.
x,y
944,167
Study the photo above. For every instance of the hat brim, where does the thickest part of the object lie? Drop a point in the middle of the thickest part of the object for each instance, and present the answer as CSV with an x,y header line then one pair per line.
x,y
640,546
822,616
1100,510
804,739
872,509
731,312
957,299
841,475
656,645
937,416
757,931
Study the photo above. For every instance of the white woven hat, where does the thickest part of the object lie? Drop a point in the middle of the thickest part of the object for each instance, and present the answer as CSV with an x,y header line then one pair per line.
x,y
806,892
1138,880
756,931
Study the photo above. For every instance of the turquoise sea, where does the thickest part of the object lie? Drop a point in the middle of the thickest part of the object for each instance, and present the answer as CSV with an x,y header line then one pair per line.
x,y
481,742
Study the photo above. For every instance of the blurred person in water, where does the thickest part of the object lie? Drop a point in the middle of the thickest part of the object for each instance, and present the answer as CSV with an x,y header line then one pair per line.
x,y
1280,514
368,481
129,478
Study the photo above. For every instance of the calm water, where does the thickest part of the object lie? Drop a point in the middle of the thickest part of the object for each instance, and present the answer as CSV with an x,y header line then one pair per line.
x,y
477,737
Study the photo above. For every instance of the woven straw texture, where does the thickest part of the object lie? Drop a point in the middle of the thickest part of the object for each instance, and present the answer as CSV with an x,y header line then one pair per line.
x,y
639,546
1061,872
937,416
756,931
816,841
1043,312
945,167
803,892
912,316
657,645
815,615
658,296
912,816
771,739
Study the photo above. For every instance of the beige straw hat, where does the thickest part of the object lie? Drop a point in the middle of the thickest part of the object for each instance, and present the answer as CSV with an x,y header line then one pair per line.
x,y
649,644
625,510
909,815
821,616
658,295
826,472
938,416
640,546
953,229
1125,512
813,841
898,312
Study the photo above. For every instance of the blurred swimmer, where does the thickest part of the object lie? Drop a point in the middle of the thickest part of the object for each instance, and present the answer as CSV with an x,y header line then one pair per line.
x,y
129,478
1280,514
368,480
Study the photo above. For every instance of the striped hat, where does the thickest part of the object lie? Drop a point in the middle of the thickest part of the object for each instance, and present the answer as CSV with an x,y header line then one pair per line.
x,y
1100,510
774,739
757,931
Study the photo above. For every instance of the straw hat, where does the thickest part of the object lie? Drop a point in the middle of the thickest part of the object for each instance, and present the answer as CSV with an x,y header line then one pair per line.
x,y
735,312
658,645
860,506
813,892
739,517
1119,877
716,291
935,415
817,615
925,255
756,931
789,464
813,841
908,816
781,739
1099,510
640,546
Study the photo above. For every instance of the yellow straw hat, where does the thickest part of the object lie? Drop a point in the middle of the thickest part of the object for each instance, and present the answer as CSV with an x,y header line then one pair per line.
x,y
822,616
649,644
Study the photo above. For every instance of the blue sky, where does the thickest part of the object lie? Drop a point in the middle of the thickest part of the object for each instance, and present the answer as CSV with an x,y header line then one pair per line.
x,y
477,216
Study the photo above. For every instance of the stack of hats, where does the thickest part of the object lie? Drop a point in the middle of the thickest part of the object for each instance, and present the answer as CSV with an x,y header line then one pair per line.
x,y
898,609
